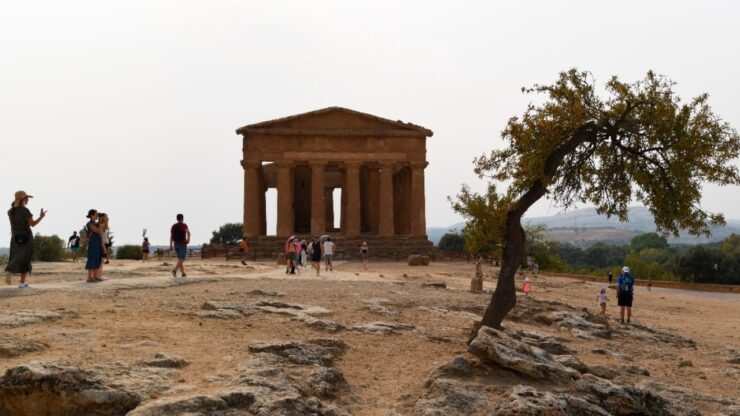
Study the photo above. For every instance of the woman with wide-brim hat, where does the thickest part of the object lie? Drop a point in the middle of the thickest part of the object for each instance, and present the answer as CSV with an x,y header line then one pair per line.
x,y
21,242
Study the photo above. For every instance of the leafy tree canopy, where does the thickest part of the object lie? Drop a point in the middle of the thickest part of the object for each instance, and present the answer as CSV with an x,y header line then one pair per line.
x,y
452,242
228,234
636,142
648,240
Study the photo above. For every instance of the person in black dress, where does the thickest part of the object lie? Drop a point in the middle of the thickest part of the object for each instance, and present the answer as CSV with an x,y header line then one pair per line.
x,y
21,243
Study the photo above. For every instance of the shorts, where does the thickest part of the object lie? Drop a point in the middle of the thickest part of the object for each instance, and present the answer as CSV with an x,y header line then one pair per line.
x,y
624,299
316,259
363,256
145,251
181,250
328,257
291,255
75,250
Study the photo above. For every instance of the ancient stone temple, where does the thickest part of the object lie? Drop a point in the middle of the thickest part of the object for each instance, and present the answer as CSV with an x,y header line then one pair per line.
x,y
377,163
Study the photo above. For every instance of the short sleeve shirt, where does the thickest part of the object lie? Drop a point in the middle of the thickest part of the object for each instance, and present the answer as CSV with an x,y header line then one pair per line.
x,y
183,233
625,283
329,248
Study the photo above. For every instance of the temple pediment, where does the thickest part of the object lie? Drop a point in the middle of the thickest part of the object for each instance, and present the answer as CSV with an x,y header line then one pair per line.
x,y
335,121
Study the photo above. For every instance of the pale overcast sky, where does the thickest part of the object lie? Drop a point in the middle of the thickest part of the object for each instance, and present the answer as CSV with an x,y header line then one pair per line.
x,y
130,106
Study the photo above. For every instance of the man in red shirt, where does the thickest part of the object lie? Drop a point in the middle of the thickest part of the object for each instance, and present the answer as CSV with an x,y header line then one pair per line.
x,y
179,240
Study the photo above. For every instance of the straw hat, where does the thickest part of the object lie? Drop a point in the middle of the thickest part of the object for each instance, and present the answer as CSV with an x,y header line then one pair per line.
x,y
19,197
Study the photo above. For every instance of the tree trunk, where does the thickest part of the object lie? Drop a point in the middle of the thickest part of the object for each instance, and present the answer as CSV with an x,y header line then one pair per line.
x,y
504,298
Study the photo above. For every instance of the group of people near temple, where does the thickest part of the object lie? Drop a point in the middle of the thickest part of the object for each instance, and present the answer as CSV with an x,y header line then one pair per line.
x,y
95,236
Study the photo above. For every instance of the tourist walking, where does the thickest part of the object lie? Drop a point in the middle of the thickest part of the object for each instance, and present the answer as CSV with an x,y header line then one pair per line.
x,y
304,254
610,276
602,298
179,240
145,248
21,241
625,290
364,253
297,248
316,254
290,255
73,245
328,254
244,249
527,286
94,229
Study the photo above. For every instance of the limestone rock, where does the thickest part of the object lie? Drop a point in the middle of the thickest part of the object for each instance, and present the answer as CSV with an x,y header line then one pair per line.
x,y
44,388
285,378
636,369
165,361
379,305
582,324
15,319
418,260
685,363
499,348
572,361
678,394
602,371
260,292
525,400
628,400
325,381
448,391
539,339
381,328
11,346
448,396
195,405
303,353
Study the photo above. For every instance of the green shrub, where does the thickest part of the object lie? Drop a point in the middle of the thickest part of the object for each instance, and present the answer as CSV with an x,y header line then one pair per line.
x,y
452,242
128,252
48,248
228,234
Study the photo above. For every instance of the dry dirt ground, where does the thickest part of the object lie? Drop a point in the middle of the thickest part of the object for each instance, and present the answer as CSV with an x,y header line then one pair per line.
x,y
141,311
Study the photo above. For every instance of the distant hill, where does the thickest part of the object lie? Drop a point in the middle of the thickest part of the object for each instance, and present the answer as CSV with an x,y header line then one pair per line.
x,y
435,233
584,227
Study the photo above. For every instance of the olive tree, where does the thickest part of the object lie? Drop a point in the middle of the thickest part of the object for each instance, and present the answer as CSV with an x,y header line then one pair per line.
x,y
633,142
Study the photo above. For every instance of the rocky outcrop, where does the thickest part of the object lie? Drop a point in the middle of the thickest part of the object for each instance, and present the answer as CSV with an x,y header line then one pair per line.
x,y
628,400
15,319
418,260
165,361
497,347
582,324
539,339
449,391
11,346
57,389
381,328
380,306
525,400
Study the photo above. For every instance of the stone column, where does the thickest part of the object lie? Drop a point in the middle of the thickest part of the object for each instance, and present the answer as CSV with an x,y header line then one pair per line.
x,y
285,199
352,188
385,201
252,211
318,193
329,208
418,203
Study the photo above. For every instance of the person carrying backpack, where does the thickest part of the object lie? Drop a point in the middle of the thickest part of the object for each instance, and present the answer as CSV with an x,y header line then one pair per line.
x,y
179,240
625,290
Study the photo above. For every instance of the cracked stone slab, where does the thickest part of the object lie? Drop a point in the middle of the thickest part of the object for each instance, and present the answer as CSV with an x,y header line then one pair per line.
x,y
381,328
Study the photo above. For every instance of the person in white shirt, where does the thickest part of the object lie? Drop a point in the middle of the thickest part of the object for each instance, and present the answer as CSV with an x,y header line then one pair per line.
x,y
328,254
602,301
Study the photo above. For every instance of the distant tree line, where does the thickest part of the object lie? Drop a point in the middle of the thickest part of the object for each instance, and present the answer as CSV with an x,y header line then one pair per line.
x,y
649,256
